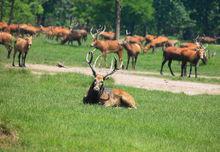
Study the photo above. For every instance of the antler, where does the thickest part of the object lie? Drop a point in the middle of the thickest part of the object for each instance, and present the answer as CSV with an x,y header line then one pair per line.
x,y
98,31
127,33
204,47
196,38
89,61
114,70
101,29
93,35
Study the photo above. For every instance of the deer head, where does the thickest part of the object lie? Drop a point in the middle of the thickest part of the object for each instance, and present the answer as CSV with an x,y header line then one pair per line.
x,y
99,79
96,35
29,41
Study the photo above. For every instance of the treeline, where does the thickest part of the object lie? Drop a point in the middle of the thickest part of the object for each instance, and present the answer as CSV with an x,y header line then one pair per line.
x,y
183,18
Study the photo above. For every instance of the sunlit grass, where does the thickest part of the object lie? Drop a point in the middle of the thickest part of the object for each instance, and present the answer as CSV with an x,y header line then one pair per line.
x,y
48,114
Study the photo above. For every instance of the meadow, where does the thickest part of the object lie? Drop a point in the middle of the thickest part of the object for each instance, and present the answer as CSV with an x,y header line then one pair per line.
x,y
47,113
45,51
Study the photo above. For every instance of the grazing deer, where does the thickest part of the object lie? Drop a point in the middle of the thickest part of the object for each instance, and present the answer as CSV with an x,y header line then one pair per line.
x,y
98,94
107,46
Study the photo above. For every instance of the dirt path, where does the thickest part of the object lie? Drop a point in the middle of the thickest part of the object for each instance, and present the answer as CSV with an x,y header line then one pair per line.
x,y
131,79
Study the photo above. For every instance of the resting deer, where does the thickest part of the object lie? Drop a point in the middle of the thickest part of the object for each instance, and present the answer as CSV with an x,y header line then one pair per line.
x,y
98,94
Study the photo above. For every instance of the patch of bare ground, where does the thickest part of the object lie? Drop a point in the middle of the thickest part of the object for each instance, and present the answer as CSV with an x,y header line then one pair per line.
x,y
134,79
8,137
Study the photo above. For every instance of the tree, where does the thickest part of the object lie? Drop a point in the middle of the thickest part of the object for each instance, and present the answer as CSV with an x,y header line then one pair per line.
x,y
171,17
2,10
117,17
137,16
11,12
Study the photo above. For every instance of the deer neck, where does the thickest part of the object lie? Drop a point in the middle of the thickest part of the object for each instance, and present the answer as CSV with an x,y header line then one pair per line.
x,y
95,95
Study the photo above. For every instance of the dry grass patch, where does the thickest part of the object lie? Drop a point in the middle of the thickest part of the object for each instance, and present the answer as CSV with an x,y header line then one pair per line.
x,y
8,137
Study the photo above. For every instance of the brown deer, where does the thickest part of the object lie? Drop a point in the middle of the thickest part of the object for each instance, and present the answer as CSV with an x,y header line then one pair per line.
x,y
134,38
98,94
107,46
22,45
182,54
6,39
157,42
133,50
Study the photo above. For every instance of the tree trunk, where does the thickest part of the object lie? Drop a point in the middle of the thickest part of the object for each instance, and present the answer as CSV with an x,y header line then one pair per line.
x,y
2,10
117,17
11,12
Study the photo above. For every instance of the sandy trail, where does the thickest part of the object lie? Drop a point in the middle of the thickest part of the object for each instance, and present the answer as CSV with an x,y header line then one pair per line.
x,y
132,79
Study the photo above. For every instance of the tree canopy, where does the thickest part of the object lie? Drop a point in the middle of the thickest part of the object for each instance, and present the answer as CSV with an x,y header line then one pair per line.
x,y
170,17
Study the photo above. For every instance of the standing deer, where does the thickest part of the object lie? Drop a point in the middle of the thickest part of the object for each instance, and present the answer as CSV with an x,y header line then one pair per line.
x,y
107,46
133,50
98,94
22,45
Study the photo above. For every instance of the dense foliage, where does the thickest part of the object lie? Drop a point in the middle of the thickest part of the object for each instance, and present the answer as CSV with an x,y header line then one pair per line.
x,y
170,17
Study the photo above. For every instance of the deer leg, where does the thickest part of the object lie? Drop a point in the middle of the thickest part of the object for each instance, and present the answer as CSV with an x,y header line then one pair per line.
x,y
153,49
13,62
128,62
136,57
190,70
120,52
182,69
9,48
169,65
19,59
24,58
133,60
185,70
196,71
79,42
161,70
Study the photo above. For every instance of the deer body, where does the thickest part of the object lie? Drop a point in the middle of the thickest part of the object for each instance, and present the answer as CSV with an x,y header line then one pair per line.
x,y
108,97
133,50
182,54
98,94
107,46
6,39
22,45
157,42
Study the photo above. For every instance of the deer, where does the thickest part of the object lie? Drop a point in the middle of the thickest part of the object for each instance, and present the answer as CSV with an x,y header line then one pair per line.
x,y
207,39
184,55
157,42
149,38
99,94
107,35
7,39
134,38
107,46
133,50
22,45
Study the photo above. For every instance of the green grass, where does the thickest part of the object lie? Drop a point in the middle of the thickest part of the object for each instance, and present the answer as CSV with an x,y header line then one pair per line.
x,y
48,114
45,51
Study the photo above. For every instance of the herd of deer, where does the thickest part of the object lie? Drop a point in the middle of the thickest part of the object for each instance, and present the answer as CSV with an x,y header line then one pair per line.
x,y
104,41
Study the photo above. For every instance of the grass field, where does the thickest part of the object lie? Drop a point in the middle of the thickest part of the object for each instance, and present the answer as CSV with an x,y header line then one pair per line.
x,y
45,51
48,115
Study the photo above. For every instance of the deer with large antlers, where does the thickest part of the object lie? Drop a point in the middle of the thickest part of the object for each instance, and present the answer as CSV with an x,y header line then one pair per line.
x,y
98,94
107,46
